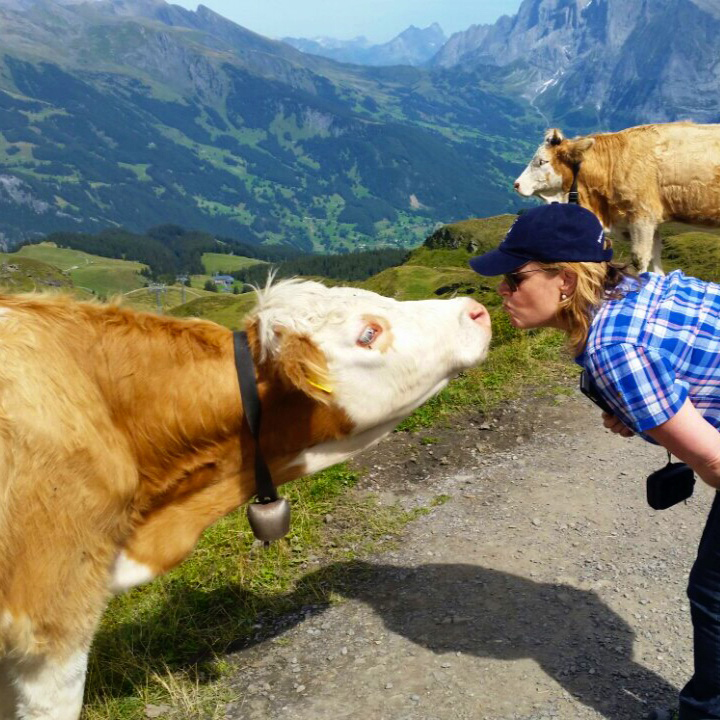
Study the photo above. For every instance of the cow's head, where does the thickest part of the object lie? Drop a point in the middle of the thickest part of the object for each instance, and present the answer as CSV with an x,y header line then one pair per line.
x,y
549,174
374,358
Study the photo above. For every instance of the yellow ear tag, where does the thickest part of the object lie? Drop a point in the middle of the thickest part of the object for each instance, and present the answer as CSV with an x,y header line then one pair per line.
x,y
320,387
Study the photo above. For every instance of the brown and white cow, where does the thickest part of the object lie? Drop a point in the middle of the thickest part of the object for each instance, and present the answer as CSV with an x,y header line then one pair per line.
x,y
122,438
634,179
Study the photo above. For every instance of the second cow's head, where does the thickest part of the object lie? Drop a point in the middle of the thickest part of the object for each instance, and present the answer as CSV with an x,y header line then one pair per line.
x,y
550,172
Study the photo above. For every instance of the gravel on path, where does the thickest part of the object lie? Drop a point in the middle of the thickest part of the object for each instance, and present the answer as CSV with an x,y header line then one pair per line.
x,y
543,588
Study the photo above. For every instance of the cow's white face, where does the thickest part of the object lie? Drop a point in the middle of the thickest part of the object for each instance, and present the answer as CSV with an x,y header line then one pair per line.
x,y
384,357
540,178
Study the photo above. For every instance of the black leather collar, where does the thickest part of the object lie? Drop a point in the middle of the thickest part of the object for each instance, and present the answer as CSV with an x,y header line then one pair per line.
x,y
573,196
252,410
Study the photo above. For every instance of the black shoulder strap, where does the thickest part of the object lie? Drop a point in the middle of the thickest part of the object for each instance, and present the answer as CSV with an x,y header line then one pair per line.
x,y
245,367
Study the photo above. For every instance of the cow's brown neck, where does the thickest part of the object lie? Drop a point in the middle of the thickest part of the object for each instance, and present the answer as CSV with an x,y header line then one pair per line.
x,y
595,189
208,470
180,407
169,386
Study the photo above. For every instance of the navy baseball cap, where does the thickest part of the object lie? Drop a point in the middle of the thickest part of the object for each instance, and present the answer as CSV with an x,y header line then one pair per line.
x,y
558,232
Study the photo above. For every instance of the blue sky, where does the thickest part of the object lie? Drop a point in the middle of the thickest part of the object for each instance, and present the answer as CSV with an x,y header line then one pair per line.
x,y
378,20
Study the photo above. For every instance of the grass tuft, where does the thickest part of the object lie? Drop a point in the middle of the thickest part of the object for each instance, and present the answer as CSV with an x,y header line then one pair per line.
x,y
164,643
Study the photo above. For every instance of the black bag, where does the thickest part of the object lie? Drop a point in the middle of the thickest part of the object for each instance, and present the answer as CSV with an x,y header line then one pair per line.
x,y
670,485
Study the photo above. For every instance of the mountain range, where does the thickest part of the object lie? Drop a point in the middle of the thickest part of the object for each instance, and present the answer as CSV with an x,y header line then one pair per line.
x,y
414,46
603,64
587,63
135,113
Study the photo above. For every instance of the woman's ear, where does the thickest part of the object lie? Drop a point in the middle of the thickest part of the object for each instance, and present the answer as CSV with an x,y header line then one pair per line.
x,y
568,280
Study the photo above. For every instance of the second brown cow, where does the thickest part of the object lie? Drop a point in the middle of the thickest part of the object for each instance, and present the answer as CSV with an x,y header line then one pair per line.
x,y
634,180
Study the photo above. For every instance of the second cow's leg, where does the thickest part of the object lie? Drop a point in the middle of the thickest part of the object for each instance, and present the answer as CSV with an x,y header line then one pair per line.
x,y
656,253
642,234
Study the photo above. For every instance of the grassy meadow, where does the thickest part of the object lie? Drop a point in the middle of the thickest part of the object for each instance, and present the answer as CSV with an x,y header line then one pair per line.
x,y
46,267
90,274
166,643
221,263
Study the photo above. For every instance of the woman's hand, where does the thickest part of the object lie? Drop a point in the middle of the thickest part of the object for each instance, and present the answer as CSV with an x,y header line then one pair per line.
x,y
616,425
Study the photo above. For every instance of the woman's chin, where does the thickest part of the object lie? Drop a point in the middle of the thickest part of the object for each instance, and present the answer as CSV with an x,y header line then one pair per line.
x,y
515,321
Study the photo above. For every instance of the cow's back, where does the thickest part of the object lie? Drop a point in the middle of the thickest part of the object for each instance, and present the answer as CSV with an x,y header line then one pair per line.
x,y
681,166
687,153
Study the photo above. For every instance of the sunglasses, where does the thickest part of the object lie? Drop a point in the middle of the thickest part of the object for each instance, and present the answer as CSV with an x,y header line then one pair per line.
x,y
514,279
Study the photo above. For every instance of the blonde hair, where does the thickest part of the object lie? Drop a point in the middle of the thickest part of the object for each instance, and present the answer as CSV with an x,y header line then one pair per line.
x,y
595,283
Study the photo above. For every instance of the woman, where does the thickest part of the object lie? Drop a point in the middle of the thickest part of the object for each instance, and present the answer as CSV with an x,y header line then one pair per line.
x,y
651,344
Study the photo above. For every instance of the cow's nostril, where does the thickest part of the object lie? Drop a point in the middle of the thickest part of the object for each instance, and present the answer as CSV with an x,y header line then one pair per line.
x,y
479,314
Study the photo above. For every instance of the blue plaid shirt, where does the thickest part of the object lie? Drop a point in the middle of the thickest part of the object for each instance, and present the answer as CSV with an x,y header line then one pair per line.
x,y
655,347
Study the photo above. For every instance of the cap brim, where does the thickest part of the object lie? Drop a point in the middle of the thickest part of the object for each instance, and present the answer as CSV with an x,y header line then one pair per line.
x,y
497,262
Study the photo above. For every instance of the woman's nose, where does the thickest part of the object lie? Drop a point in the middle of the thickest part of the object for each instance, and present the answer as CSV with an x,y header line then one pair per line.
x,y
503,289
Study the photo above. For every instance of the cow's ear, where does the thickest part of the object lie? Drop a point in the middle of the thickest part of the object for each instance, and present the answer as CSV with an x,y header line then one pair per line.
x,y
302,364
573,150
554,136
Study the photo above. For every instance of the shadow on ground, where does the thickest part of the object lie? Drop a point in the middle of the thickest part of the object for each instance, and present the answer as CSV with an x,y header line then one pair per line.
x,y
573,636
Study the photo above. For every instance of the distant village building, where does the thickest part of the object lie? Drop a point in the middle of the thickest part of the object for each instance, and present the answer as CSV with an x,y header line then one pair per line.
x,y
224,282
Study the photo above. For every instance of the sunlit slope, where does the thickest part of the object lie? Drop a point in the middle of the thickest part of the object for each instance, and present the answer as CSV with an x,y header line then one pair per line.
x,y
439,268
223,263
22,274
225,309
47,267
101,276
696,253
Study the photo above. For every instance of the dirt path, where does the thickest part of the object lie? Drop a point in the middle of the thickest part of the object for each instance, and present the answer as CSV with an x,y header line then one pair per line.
x,y
544,587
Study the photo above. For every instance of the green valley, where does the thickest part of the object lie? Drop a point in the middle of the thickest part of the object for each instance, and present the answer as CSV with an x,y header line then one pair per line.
x,y
161,115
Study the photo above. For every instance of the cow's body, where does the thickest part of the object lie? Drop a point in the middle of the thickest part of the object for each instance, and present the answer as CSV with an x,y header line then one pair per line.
x,y
634,179
122,438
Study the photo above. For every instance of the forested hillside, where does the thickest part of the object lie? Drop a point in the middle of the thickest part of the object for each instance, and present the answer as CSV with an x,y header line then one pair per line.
x,y
346,267
138,114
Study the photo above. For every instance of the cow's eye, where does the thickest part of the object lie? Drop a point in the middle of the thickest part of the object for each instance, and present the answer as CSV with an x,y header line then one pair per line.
x,y
541,162
369,333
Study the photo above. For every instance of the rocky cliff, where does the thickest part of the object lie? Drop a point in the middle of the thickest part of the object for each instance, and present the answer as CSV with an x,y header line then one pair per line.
x,y
592,64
